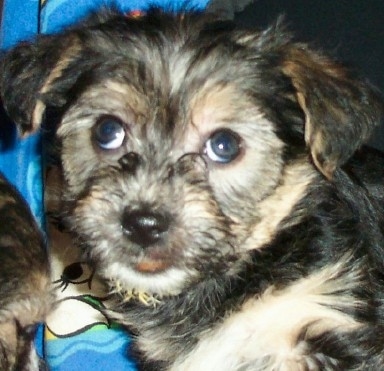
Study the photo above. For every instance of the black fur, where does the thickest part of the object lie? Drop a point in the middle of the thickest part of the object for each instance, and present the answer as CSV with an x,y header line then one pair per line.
x,y
341,218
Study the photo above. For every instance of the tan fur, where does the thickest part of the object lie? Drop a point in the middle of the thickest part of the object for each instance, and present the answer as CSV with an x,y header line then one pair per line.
x,y
32,306
69,54
264,334
295,181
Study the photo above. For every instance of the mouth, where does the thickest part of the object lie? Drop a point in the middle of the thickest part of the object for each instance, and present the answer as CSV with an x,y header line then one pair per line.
x,y
147,280
151,265
156,259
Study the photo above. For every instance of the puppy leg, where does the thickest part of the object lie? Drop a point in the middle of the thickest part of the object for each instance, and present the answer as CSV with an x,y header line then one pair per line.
x,y
25,295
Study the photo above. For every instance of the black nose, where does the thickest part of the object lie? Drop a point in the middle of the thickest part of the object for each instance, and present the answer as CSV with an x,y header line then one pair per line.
x,y
145,228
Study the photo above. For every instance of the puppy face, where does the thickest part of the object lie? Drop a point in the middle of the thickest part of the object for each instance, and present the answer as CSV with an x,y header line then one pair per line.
x,y
170,195
183,143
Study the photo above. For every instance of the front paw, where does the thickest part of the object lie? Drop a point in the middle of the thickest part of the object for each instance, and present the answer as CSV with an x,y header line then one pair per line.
x,y
17,349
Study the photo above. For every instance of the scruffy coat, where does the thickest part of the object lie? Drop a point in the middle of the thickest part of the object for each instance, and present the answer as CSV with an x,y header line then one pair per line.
x,y
269,260
25,290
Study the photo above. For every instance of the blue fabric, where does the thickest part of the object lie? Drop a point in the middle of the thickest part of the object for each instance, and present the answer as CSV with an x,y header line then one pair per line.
x,y
19,21
89,351
52,18
20,160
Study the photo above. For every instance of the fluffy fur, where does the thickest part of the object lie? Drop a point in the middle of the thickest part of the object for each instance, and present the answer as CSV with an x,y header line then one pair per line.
x,y
25,293
272,260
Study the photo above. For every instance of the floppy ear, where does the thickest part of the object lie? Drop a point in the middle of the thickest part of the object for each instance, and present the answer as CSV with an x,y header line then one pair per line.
x,y
30,72
340,112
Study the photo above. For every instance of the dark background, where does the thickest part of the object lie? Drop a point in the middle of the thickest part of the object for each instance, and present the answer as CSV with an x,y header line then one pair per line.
x,y
351,30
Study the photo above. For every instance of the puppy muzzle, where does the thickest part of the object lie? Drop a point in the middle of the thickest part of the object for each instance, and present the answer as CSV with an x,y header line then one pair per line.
x,y
144,227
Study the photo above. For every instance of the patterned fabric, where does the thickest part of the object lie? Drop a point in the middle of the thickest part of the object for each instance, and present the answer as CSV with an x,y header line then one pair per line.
x,y
20,160
76,336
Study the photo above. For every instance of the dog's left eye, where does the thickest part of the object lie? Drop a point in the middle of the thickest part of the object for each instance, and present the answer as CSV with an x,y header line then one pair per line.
x,y
223,146
109,133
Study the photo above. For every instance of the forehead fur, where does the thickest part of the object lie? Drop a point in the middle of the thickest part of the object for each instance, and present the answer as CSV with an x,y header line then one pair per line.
x,y
167,55
161,68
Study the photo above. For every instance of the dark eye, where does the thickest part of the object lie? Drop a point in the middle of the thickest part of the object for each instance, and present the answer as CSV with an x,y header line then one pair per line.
x,y
223,146
109,133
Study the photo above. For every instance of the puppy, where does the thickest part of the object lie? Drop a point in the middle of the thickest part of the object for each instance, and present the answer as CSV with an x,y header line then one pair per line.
x,y
216,180
25,294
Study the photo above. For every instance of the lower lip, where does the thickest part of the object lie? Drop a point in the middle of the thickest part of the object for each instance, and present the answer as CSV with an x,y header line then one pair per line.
x,y
152,266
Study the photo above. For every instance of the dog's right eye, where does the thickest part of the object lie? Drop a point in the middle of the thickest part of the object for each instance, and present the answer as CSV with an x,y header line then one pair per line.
x,y
109,133
223,146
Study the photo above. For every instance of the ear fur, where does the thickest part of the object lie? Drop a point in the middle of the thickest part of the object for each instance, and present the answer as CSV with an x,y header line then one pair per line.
x,y
341,112
29,71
